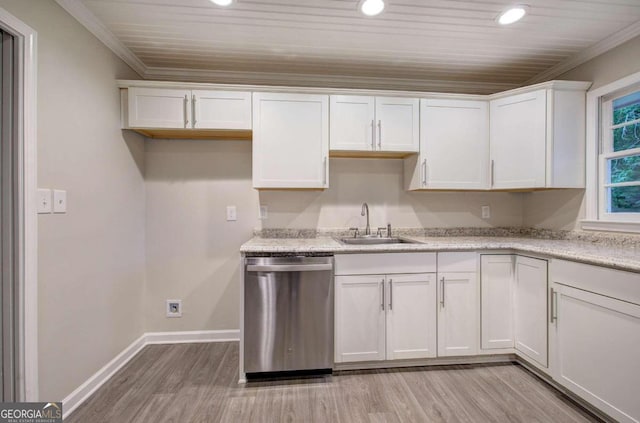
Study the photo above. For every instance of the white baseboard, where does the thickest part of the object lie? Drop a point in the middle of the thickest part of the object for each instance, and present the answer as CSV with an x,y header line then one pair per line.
x,y
192,336
84,391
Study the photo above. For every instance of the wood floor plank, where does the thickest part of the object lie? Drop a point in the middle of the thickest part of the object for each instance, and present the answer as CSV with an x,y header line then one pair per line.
x,y
197,383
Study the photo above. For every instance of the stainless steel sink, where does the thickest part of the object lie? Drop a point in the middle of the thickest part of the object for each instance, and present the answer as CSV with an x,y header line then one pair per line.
x,y
374,241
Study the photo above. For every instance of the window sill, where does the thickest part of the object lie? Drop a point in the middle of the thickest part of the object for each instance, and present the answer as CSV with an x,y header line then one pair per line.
x,y
609,226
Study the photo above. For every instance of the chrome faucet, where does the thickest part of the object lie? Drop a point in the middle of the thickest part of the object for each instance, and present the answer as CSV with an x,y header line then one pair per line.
x,y
365,211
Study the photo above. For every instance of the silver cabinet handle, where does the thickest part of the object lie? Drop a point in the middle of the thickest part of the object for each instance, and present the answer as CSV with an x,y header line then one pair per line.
x,y
492,172
390,294
382,286
186,118
424,173
553,305
380,134
373,135
324,171
193,110
442,300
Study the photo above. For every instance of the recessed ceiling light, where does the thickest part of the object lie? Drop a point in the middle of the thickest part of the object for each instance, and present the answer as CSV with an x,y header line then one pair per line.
x,y
222,2
513,14
371,7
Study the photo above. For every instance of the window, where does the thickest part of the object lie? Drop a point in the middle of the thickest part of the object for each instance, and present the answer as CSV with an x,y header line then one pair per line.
x,y
613,157
620,157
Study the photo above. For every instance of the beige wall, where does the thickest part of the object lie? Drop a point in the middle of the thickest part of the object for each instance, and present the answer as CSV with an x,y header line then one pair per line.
x,y
192,251
565,209
608,67
91,260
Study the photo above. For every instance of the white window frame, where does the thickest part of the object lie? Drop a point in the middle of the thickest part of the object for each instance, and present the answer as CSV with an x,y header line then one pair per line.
x,y
598,151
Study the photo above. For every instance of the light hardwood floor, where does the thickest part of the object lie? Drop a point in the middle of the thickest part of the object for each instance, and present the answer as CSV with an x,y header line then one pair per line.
x,y
197,383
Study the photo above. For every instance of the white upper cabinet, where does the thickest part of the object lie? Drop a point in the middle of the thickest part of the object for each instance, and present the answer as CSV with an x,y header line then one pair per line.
x,y
221,109
290,141
496,293
159,108
374,124
168,108
518,146
398,124
531,295
537,138
352,123
454,146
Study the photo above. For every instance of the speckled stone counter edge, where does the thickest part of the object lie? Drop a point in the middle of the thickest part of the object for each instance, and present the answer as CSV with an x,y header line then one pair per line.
x,y
601,238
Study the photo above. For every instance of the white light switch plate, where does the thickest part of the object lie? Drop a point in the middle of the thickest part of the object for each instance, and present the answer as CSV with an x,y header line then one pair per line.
x,y
264,212
486,212
232,214
44,201
59,201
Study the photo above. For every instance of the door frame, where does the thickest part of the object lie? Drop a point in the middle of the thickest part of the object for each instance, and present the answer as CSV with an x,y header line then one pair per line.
x,y
27,366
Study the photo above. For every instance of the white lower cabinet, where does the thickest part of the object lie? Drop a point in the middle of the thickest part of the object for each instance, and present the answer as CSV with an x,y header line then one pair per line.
x,y
496,293
458,302
530,305
595,339
411,312
385,317
598,350
360,318
385,306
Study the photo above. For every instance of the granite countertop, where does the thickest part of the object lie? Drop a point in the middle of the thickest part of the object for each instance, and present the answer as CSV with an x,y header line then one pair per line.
x,y
622,255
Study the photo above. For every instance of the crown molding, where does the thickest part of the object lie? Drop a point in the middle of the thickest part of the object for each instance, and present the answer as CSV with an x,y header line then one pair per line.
x,y
83,15
588,53
325,81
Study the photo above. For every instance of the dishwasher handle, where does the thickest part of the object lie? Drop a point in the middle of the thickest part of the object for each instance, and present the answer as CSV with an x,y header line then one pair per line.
x,y
289,267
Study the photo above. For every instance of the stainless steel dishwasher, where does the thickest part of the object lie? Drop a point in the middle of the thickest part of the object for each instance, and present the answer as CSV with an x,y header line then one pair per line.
x,y
288,314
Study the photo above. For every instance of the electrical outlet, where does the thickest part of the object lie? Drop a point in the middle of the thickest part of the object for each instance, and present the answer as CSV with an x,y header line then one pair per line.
x,y
174,308
264,212
486,212
232,214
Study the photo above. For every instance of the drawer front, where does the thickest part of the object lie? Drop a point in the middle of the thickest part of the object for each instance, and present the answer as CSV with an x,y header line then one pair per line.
x,y
458,262
384,263
613,283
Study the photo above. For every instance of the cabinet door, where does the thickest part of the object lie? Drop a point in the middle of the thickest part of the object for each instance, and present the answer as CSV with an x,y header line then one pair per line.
x,y
597,345
496,293
518,140
454,144
360,318
531,308
290,140
457,314
159,108
411,316
398,124
221,109
352,123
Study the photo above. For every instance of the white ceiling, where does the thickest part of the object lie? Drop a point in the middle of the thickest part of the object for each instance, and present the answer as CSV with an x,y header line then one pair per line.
x,y
434,45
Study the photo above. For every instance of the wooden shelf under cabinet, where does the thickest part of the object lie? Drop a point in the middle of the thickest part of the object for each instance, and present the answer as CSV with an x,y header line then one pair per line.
x,y
197,134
